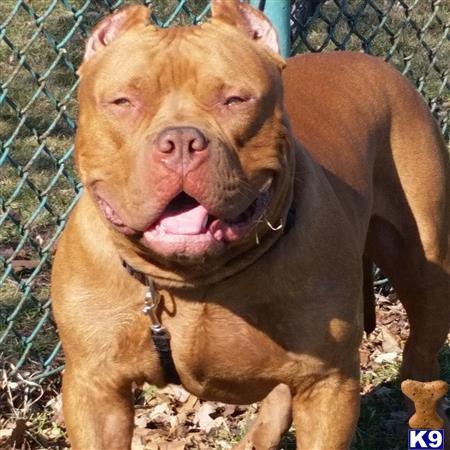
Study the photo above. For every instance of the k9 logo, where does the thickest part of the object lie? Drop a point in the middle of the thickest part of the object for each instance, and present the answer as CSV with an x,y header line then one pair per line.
x,y
418,439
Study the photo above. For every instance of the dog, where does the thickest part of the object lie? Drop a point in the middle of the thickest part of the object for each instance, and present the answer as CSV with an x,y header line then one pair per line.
x,y
241,200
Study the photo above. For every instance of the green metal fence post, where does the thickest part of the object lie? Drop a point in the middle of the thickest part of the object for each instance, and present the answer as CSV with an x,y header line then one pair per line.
x,y
279,13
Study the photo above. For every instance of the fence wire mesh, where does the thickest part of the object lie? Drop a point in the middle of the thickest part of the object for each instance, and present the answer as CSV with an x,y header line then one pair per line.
x,y
41,44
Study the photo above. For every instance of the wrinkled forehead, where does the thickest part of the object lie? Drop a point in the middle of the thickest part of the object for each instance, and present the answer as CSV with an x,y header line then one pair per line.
x,y
172,57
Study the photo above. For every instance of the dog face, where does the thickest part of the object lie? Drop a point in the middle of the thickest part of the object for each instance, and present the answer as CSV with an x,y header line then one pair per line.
x,y
182,139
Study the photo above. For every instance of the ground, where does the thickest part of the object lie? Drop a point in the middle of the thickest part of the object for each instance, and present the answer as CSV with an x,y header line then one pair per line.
x,y
172,419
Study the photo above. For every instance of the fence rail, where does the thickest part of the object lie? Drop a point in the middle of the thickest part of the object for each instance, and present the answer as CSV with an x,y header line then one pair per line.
x,y
41,44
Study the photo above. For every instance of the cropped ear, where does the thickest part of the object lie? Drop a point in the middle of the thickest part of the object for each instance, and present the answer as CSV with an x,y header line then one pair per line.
x,y
113,26
247,19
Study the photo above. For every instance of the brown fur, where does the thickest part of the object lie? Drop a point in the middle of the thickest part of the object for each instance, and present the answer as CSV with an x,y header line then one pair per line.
x,y
368,177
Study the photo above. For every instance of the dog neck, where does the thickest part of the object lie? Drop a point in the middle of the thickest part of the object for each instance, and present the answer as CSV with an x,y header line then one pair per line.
x,y
176,277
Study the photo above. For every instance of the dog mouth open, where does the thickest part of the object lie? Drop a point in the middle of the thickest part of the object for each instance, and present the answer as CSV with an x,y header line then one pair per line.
x,y
187,229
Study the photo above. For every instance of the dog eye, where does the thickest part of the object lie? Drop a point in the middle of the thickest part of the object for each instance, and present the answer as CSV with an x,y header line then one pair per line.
x,y
121,101
234,100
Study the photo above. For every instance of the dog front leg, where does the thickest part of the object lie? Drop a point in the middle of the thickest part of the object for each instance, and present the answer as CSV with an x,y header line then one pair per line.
x,y
325,415
98,412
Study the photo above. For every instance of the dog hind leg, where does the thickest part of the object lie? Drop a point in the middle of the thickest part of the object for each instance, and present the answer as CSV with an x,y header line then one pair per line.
x,y
422,285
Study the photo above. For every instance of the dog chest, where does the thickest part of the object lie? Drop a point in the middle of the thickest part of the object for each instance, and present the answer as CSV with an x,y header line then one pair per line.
x,y
239,356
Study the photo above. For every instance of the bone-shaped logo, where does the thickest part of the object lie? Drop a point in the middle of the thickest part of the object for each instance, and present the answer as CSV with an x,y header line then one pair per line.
x,y
425,395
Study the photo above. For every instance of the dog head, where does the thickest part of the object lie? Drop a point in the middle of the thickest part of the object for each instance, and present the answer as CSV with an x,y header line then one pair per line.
x,y
182,141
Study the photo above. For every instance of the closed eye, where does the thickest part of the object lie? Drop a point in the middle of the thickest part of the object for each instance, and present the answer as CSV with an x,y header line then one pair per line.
x,y
234,100
122,101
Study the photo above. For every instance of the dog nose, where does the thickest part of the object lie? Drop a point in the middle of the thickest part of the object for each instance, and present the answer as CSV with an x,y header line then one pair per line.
x,y
181,148
181,139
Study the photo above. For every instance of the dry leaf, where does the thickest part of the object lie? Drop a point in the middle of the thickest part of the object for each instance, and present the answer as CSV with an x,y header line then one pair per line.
x,y
176,445
386,358
160,412
19,265
203,417
141,420
191,404
177,392
228,410
389,342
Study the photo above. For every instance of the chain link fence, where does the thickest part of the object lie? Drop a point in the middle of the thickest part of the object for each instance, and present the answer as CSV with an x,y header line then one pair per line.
x,y
41,44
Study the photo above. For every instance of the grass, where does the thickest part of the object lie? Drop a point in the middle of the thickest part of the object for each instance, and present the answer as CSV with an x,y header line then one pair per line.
x,y
37,124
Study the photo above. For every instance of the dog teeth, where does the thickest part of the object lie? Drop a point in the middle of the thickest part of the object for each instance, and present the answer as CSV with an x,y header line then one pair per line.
x,y
160,229
205,222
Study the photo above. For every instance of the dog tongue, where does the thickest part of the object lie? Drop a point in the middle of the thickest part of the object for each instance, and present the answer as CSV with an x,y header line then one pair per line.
x,y
191,221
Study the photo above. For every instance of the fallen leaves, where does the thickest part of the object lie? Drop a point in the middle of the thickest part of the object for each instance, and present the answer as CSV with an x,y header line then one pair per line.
x,y
384,344
173,419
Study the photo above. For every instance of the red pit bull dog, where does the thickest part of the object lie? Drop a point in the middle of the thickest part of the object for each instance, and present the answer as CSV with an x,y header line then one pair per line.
x,y
247,221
